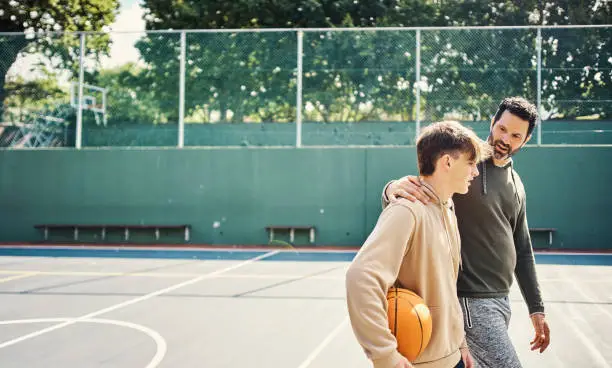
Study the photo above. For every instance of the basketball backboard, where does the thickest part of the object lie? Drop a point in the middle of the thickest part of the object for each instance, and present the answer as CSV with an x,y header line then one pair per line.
x,y
94,99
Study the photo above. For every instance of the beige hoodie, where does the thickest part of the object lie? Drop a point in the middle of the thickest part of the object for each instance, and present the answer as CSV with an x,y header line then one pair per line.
x,y
418,246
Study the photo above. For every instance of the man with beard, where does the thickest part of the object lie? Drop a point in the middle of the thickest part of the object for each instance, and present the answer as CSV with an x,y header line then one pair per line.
x,y
495,241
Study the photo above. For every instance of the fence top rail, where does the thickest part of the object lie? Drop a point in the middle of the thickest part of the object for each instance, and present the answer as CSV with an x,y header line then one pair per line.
x,y
314,29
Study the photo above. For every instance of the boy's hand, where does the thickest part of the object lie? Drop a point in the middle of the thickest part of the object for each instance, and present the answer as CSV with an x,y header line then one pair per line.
x,y
466,356
404,363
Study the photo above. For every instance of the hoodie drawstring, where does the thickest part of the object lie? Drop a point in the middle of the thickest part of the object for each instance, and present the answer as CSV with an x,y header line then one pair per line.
x,y
484,176
483,170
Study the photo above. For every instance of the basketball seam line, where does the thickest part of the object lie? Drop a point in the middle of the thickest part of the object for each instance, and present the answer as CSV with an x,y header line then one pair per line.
x,y
421,325
395,321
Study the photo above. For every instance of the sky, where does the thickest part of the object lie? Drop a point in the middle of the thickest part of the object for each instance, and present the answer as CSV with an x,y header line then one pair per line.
x,y
129,19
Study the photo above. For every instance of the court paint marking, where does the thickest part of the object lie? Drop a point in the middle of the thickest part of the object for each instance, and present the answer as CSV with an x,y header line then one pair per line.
x,y
133,301
22,275
586,341
161,275
310,358
160,342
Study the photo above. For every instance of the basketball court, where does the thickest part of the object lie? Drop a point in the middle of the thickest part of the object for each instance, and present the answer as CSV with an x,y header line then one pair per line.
x,y
155,307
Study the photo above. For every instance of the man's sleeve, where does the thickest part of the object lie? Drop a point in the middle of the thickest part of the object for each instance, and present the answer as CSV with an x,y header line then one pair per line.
x,y
373,271
384,200
525,263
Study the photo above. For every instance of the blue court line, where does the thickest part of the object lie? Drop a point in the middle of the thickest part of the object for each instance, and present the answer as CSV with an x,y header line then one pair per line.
x,y
240,255
574,259
199,254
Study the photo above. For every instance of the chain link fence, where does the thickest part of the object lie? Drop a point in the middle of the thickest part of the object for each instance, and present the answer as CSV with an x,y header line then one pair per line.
x,y
303,87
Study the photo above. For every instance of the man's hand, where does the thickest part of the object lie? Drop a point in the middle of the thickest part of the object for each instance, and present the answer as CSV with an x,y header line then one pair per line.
x,y
410,188
404,363
542,332
466,356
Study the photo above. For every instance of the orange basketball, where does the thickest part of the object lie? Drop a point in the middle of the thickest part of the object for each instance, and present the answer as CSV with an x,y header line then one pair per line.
x,y
409,321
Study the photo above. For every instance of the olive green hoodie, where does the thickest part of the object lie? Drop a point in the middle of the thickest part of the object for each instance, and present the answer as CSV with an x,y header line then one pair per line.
x,y
495,240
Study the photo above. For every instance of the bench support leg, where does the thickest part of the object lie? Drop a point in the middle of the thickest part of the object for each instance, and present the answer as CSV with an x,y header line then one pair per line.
x,y
76,233
271,235
156,233
127,234
186,234
550,238
291,235
312,235
46,233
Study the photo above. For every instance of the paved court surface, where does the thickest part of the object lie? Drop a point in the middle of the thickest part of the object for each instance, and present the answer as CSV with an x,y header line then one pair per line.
x,y
246,309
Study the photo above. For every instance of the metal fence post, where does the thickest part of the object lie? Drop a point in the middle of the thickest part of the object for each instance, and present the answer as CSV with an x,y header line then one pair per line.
x,y
298,105
181,122
539,97
79,122
418,84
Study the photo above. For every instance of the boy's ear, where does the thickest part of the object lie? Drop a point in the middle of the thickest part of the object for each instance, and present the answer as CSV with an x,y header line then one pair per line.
x,y
447,160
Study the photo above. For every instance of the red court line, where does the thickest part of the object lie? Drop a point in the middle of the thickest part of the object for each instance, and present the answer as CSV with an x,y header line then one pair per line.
x,y
216,247
247,247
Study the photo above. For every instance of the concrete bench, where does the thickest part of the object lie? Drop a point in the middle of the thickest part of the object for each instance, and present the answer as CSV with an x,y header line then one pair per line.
x,y
292,229
548,230
104,227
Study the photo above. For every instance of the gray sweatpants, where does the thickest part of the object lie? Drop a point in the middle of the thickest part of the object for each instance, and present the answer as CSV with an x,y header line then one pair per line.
x,y
486,327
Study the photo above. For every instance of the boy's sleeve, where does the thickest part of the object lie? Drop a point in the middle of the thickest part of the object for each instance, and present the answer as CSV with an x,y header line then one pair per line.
x,y
384,200
371,274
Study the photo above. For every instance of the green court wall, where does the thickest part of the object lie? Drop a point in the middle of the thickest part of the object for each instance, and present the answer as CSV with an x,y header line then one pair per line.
x,y
375,133
229,195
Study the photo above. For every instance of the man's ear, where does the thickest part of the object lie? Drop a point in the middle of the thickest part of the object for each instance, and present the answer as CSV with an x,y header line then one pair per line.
x,y
528,138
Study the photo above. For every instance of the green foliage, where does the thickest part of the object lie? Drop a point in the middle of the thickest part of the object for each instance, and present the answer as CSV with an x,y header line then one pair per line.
x,y
36,18
26,96
131,99
347,76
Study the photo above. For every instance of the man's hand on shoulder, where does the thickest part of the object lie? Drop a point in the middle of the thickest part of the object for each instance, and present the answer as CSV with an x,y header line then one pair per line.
x,y
410,188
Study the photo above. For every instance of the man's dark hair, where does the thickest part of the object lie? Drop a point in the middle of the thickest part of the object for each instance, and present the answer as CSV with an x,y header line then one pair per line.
x,y
520,107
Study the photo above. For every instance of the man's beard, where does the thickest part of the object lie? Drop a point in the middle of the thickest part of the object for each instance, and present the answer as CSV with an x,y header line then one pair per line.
x,y
501,151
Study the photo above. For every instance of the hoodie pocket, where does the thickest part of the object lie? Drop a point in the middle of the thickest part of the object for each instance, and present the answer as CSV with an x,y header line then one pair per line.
x,y
447,333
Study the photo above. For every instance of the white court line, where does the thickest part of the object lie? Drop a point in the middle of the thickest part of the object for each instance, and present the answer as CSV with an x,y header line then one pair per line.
x,y
310,358
588,343
180,249
17,277
133,301
160,352
589,281
166,275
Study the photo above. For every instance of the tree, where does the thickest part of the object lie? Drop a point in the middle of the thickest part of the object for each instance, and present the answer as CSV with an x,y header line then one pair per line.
x,y
34,19
254,74
577,63
366,75
23,95
131,97
467,72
